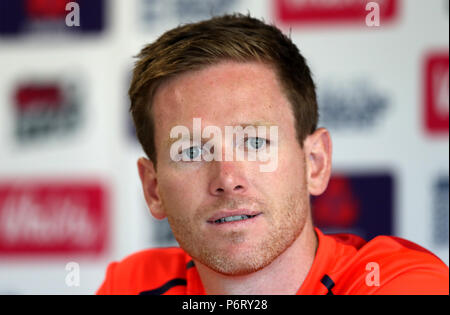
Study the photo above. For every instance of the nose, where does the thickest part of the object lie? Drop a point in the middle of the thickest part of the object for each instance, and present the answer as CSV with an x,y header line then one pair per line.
x,y
229,179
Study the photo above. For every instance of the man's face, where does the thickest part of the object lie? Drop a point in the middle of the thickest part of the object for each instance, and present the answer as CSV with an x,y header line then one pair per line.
x,y
194,195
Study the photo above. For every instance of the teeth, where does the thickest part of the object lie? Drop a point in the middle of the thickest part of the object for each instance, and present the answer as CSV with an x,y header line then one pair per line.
x,y
233,218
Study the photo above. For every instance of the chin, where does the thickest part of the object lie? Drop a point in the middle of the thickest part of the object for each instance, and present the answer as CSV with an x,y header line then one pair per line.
x,y
239,260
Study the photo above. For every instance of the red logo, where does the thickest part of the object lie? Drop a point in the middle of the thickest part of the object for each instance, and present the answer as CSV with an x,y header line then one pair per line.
x,y
56,218
45,9
436,93
339,207
29,97
322,11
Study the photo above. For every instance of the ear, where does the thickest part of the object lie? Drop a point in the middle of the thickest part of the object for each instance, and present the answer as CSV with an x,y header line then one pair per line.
x,y
149,182
318,153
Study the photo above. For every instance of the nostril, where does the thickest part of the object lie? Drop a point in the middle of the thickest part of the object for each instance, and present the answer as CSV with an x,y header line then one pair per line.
x,y
223,190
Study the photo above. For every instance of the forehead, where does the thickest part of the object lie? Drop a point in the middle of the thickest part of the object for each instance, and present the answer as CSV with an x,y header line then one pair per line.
x,y
228,93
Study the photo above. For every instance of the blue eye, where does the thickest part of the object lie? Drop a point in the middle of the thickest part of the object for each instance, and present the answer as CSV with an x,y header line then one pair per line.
x,y
256,143
191,153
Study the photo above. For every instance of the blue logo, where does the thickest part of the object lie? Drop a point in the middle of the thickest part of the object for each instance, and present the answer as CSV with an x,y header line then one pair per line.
x,y
359,204
20,17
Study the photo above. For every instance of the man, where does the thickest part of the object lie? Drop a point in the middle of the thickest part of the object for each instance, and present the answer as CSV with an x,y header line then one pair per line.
x,y
241,86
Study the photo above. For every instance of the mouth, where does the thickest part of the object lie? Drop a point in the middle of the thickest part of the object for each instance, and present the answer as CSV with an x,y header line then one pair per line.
x,y
226,217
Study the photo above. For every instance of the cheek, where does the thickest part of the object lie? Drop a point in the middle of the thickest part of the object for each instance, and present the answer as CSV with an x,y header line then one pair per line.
x,y
178,192
291,166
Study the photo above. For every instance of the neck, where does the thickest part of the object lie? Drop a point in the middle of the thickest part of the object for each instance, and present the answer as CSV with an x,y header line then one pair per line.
x,y
284,275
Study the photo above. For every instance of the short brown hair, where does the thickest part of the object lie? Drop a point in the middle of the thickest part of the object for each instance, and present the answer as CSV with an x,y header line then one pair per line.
x,y
233,37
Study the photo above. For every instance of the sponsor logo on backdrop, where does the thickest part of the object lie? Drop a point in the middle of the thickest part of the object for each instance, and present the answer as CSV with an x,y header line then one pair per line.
x,y
52,218
436,102
175,12
56,16
359,204
441,211
332,11
46,108
352,105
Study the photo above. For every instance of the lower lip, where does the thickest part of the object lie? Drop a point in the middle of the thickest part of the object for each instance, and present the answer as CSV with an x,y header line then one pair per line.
x,y
235,224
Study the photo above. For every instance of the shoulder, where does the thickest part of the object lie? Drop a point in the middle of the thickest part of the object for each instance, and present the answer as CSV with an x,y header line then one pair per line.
x,y
144,270
390,265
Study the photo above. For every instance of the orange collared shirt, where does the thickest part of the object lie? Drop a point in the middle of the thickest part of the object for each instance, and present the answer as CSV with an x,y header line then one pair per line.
x,y
344,264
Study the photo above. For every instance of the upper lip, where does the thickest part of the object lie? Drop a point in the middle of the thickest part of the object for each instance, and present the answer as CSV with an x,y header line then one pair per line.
x,y
229,213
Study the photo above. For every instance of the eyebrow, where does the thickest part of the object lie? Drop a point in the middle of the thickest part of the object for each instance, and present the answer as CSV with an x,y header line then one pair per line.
x,y
258,123
171,141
